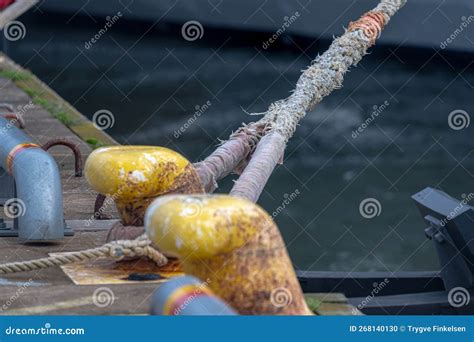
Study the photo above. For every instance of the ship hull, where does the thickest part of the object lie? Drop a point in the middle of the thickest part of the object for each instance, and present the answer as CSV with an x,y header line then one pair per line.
x,y
423,23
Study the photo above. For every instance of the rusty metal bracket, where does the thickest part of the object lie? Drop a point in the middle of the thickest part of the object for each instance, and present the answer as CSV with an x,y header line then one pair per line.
x,y
16,119
7,106
12,116
73,147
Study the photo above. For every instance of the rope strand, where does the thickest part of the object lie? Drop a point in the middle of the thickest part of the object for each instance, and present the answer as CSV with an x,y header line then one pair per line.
x,y
324,75
140,247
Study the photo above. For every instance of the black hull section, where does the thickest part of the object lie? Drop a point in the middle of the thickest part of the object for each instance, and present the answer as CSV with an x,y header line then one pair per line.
x,y
403,293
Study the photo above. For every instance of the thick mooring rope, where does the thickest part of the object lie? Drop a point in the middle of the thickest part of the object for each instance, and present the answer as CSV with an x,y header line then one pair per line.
x,y
229,156
321,78
140,247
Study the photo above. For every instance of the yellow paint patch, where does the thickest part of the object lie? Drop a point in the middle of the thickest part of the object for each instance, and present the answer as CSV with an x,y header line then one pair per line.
x,y
135,175
234,246
202,226
134,171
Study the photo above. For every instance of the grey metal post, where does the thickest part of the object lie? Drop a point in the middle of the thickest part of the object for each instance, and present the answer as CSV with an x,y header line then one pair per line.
x,y
189,297
38,186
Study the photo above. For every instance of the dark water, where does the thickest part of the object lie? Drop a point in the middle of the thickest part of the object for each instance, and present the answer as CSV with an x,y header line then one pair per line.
x,y
152,82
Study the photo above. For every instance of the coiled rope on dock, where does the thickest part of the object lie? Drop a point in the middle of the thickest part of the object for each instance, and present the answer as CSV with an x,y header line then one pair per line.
x,y
140,247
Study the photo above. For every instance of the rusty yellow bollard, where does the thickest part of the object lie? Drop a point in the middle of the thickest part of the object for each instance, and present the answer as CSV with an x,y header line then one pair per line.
x,y
234,245
135,175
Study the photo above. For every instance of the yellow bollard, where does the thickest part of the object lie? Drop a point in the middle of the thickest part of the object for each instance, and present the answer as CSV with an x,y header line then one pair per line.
x,y
234,245
135,175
